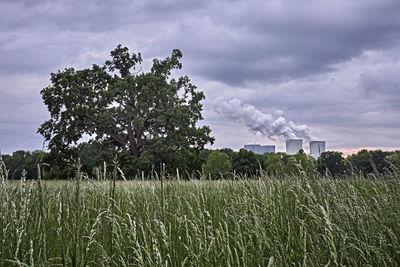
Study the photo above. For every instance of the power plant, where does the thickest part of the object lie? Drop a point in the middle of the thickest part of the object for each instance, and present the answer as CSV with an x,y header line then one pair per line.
x,y
270,125
293,146
260,149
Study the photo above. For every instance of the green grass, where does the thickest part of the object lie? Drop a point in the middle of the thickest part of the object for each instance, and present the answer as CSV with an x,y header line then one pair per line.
x,y
268,221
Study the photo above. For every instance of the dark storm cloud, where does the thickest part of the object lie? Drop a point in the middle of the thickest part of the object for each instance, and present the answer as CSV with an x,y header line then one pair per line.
x,y
61,15
289,39
229,41
90,16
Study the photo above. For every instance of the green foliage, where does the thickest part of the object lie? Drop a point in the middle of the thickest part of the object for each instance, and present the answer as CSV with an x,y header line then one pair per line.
x,y
92,155
143,113
227,151
274,163
299,164
394,160
331,162
283,164
245,162
23,160
370,161
217,164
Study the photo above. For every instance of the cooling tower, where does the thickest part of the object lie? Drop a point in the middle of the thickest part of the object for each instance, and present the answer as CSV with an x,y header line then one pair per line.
x,y
317,148
293,146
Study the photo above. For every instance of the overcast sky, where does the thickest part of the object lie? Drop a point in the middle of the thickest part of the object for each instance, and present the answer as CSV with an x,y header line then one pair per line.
x,y
332,65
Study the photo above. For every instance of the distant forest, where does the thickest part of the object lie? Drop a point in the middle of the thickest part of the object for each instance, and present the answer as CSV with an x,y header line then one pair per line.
x,y
95,160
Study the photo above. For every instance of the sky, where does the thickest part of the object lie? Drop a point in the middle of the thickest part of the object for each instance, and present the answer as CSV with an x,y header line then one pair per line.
x,y
331,65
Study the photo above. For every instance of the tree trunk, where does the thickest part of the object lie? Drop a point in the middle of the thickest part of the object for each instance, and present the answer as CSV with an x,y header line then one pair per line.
x,y
133,146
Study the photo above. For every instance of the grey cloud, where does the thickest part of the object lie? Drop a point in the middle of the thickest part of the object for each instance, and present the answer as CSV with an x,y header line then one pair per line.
x,y
382,87
70,15
385,81
256,41
234,42
90,16
40,53
330,65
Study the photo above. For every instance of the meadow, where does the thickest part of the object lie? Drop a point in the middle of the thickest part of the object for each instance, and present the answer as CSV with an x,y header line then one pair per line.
x,y
262,221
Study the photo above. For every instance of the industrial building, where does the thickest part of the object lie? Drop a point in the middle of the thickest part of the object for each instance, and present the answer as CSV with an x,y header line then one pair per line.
x,y
260,149
317,148
293,146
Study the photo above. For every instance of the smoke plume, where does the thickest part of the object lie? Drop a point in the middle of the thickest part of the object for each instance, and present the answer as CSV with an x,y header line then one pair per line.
x,y
271,125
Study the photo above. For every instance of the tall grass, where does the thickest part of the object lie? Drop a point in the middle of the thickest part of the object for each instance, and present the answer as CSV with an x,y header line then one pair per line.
x,y
259,222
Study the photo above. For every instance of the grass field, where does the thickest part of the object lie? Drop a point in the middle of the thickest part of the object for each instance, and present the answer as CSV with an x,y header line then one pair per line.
x,y
258,222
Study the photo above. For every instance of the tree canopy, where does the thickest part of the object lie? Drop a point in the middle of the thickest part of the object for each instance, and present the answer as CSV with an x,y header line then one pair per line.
x,y
23,161
331,162
217,164
374,161
137,111
245,162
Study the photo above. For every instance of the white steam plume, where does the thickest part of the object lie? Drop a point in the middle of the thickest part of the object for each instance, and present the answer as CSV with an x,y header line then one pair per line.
x,y
271,125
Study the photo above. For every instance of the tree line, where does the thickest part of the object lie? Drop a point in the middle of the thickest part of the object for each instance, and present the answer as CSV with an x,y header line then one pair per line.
x,y
214,164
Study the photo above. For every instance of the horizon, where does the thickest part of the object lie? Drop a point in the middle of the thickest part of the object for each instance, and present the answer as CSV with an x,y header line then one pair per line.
x,y
346,152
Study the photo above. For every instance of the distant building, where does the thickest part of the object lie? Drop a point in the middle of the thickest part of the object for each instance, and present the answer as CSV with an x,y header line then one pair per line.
x,y
260,149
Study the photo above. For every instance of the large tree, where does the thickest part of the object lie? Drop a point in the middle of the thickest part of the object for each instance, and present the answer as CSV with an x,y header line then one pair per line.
x,y
136,111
